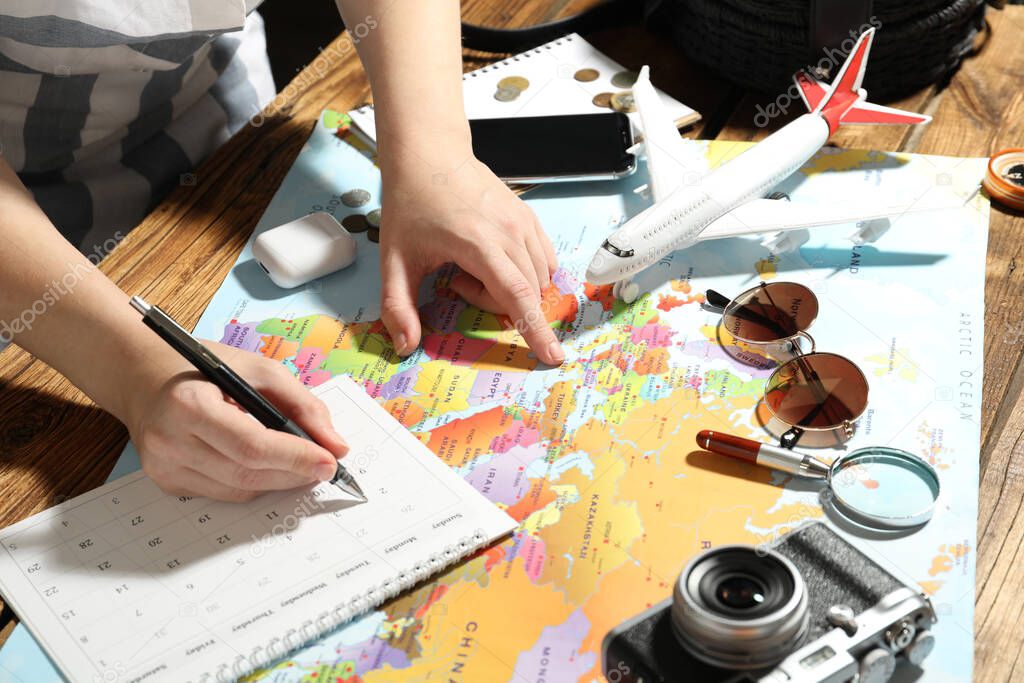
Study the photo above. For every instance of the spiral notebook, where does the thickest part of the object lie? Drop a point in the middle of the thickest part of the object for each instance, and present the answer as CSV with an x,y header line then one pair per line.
x,y
126,583
553,87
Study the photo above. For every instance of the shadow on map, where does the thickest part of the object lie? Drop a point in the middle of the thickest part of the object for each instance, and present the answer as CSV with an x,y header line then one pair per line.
x,y
732,467
256,283
739,256
353,293
855,529
729,467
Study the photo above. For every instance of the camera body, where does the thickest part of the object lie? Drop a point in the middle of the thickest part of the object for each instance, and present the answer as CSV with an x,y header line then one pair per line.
x,y
811,608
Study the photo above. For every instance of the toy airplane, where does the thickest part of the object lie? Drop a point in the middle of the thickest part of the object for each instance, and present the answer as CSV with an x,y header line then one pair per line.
x,y
728,201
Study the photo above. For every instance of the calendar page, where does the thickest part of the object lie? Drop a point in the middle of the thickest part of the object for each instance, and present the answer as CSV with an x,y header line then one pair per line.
x,y
126,583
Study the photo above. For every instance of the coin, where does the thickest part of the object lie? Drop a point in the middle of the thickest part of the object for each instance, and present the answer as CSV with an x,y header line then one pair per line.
x,y
357,222
355,197
374,235
603,100
623,102
586,75
373,218
517,82
507,94
625,79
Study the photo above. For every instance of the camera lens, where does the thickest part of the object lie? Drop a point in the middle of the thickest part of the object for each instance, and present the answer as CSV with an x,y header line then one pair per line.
x,y
737,608
740,592
734,585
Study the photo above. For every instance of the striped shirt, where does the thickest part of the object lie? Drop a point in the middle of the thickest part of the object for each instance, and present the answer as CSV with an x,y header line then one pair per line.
x,y
106,105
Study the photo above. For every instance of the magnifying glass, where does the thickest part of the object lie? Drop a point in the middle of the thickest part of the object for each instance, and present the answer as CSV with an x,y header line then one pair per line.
x,y
878,487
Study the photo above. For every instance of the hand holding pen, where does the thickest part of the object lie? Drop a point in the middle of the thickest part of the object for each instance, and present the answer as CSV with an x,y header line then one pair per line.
x,y
194,439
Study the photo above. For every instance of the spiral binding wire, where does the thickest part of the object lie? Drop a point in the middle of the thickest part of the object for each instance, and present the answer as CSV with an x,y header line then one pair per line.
x,y
327,621
503,64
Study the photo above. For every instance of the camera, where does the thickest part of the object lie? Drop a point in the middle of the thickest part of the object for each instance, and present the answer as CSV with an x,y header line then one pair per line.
x,y
810,607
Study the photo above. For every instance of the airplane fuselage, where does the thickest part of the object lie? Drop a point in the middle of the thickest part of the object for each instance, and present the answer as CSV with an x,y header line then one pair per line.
x,y
676,222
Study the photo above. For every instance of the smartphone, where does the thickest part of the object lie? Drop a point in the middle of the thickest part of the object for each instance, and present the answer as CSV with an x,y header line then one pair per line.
x,y
544,149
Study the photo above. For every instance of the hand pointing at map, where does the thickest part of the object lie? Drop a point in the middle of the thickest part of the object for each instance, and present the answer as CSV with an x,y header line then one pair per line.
x,y
479,224
439,203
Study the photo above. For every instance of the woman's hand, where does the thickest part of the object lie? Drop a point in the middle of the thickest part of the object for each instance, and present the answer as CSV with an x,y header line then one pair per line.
x,y
449,207
193,440
439,203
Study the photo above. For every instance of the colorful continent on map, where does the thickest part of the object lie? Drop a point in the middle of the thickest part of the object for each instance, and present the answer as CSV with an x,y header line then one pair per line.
x,y
572,453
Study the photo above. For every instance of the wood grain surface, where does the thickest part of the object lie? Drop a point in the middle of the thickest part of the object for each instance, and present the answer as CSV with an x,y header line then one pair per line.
x,y
55,443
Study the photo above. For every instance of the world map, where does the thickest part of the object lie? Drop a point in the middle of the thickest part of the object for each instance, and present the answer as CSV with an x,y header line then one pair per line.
x,y
597,459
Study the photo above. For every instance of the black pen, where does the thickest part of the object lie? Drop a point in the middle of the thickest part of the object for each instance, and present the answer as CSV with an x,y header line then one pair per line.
x,y
230,383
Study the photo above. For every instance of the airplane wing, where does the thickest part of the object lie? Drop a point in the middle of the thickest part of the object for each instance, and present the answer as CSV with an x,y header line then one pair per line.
x,y
869,112
669,162
773,215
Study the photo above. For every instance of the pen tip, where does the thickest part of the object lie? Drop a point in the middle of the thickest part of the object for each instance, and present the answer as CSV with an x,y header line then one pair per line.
x,y
348,486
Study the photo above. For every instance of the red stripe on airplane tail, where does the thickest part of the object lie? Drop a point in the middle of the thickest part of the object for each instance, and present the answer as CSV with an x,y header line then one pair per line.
x,y
811,89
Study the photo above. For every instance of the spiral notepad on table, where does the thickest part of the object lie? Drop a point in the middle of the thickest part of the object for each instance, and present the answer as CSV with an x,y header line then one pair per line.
x,y
553,89
129,582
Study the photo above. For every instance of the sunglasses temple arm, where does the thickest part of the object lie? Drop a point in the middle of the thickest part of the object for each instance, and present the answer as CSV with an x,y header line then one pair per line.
x,y
716,301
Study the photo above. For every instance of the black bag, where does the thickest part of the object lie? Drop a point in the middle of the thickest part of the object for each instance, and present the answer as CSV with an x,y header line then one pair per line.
x,y
759,44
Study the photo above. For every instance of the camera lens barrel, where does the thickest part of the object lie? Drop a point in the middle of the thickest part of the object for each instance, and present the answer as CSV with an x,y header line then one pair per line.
x,y
738,607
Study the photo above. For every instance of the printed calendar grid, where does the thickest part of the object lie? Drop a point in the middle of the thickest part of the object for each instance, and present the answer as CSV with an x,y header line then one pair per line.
x,y
130,555
201,516
184,514
156,582
213,628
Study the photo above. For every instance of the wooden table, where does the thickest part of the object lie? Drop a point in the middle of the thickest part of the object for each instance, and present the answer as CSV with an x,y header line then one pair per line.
x,y
54,443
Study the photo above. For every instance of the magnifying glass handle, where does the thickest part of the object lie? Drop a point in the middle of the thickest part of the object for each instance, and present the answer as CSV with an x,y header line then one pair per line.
x,y
763,454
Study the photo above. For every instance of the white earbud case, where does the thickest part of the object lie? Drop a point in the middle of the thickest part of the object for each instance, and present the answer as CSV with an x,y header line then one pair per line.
x,y
305,249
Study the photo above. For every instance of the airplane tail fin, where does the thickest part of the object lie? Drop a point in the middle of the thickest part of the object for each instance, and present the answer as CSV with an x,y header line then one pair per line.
x,y
843,101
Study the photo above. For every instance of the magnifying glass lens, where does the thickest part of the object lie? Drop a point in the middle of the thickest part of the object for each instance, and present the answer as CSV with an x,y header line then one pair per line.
x,y
885,488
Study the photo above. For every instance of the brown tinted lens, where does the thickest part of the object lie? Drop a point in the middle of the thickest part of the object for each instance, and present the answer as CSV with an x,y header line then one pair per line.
x,y
819,390
771,312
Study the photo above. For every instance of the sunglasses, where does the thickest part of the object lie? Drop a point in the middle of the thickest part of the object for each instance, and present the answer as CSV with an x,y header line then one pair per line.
x,y
812,397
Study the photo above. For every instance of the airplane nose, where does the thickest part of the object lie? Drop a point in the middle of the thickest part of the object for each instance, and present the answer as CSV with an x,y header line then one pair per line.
x,y
601,267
